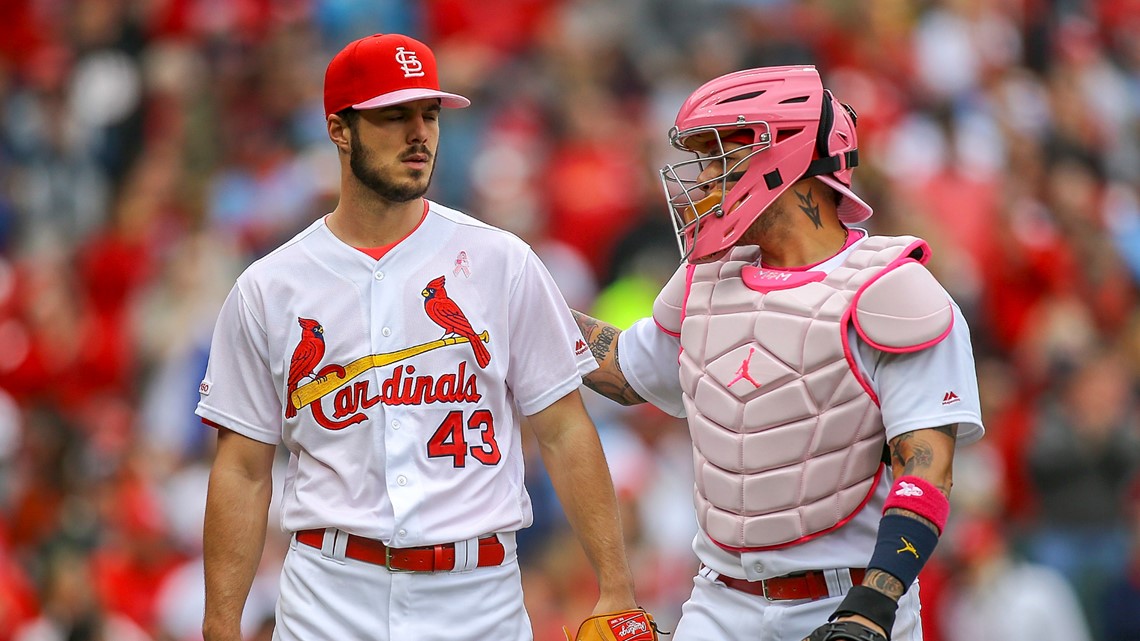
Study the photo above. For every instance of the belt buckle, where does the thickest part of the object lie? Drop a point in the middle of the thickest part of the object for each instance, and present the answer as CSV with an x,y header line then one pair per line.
x,y
764,585
388,562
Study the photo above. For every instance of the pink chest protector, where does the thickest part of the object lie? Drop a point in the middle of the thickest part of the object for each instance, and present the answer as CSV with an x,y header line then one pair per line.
x,y
787,434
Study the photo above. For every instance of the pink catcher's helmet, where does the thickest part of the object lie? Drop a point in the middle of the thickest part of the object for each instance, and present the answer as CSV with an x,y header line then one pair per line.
x,y
791,128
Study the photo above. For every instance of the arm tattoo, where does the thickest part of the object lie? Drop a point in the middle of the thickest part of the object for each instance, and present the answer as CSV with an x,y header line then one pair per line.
x,y
912,453
811,208
607,338
608,380
885,583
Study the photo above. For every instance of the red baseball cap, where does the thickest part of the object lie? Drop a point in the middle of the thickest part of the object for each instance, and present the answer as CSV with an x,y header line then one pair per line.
x,y
383,70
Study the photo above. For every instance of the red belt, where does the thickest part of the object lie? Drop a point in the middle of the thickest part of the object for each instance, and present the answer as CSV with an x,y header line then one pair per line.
x,y
431,558
803,585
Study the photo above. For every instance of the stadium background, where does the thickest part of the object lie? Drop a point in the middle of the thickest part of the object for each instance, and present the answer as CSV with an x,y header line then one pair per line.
x,y
150,149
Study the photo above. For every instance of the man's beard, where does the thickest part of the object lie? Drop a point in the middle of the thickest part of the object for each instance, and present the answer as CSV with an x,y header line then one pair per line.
x,y
772,221
359,160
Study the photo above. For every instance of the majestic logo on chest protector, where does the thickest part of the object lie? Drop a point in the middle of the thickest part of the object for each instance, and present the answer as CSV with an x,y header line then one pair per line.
x,y
309,387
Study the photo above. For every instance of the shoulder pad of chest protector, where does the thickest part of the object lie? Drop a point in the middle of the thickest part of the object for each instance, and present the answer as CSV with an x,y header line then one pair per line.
x,y
903,309
668,307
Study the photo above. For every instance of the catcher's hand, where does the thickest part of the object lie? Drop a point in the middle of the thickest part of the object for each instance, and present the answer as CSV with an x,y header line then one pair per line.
x,y
626,625
845,631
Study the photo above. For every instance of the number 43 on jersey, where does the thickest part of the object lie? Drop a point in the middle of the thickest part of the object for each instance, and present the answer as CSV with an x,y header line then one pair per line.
x,y
450,439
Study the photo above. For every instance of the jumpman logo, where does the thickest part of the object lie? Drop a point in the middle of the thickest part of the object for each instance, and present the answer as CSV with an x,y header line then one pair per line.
x,y
742,373
907,547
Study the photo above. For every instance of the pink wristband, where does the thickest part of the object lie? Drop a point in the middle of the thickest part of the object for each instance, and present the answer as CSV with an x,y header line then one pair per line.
x,y
921,497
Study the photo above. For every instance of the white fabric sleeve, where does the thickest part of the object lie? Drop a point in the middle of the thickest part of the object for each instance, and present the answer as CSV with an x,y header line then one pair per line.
x,y
648,356
544,339
927,388
238,392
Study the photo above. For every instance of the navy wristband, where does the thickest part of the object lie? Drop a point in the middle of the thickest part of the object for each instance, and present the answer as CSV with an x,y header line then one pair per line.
x,y
903,547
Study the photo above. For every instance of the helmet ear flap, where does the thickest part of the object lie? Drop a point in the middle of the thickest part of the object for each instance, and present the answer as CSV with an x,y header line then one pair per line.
x,y
825,162
826,122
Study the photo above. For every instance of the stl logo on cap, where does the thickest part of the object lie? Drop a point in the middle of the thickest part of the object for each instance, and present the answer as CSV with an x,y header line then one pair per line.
x,y
408,61
382,70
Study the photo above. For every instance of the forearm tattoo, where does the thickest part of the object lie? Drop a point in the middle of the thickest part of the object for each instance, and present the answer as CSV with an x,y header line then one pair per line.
x,y
885,583
608,379
810,207
607,339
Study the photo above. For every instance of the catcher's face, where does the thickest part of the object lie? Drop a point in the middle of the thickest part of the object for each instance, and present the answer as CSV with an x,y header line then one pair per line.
x,y
393,149
696,188
724,159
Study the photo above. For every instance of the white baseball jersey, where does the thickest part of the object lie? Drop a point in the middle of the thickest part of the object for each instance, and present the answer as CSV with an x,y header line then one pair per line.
x,y
395,434
928,388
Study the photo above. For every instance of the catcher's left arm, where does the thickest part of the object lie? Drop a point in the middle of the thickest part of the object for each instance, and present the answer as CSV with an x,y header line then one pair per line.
x,y
914,516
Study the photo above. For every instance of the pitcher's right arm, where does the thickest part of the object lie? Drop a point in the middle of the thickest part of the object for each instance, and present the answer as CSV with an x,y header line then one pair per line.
x,y
237,510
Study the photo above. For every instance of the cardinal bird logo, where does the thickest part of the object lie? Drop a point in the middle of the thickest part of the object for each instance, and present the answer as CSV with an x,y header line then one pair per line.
x,y
306,357
447,315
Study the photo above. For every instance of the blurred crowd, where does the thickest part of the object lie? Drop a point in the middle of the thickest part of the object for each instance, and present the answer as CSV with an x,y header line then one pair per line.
x,y
151,149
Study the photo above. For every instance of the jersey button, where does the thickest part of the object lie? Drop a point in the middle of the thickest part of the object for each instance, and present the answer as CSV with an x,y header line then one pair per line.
x,y
402,533
401,480
759,567
395,425
379,275
386,331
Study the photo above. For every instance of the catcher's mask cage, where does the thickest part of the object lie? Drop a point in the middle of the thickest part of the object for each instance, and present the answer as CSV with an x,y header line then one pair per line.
x,y
788,127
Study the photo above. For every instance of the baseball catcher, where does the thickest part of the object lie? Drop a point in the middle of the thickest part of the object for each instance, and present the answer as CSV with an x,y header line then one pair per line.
x,y
825,374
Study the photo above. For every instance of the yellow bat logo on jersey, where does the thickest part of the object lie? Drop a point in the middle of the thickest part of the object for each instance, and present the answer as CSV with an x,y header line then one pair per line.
x,y
321,387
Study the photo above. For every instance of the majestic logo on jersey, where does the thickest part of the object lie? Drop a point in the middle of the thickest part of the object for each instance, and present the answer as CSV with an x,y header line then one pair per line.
x,y
445,313
409,63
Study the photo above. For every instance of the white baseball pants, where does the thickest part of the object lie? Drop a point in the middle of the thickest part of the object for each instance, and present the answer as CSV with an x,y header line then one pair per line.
x,y
324,598
716,611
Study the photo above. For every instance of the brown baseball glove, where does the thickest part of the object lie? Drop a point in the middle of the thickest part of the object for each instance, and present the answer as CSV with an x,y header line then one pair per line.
x,y
627,625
